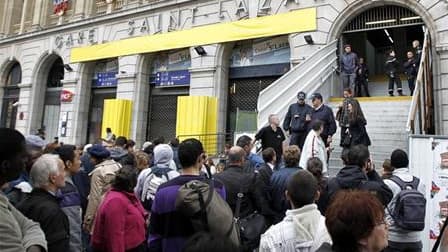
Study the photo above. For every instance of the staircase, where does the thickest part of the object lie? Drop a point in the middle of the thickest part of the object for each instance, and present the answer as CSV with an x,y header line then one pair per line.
x,y
386,125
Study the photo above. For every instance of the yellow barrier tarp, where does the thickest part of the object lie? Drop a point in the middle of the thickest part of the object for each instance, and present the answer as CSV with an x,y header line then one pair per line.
x,y
117,115
285,23
197,118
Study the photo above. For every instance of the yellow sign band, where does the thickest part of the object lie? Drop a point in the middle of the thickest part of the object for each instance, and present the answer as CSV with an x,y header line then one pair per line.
x,y
285,23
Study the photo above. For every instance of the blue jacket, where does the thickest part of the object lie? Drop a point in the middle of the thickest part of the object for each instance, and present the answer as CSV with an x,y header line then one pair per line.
x,y
348,62
279,180
71,205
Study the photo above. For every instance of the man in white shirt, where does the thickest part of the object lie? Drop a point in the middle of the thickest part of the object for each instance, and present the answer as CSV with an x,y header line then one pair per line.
x,y
303,229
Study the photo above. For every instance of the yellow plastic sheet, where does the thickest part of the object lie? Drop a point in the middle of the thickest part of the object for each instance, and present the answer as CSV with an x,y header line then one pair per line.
x,y
197,118
117,115
285,23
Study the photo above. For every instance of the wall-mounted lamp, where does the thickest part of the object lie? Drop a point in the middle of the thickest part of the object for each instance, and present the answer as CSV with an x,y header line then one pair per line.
x,y
200,50
68,68
309,39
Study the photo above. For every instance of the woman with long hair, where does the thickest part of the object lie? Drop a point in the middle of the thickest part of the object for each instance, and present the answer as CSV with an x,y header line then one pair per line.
x,y
354,132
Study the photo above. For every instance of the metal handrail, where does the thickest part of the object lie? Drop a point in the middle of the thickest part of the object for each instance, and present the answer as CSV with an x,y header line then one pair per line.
x,y
418,110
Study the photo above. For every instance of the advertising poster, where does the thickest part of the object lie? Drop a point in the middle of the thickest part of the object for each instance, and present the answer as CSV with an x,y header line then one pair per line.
x,y
439,189
261,52
428,156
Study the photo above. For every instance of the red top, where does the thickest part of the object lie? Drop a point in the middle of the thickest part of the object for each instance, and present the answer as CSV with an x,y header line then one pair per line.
x,y
120,223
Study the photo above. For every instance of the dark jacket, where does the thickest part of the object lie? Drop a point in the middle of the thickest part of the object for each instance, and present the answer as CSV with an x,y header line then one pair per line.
x,y
410,68
325,114
326,247
278,183
362,73
358,133
71,205
392,66
348,62
43,207
264,190
352,177
235,180
295,118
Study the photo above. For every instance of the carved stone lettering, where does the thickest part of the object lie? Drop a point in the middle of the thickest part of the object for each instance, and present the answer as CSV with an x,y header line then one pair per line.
x,y
59,41
91,36
81,37
287,1
265,5
241,8
131,27
69,41
174,20
144,28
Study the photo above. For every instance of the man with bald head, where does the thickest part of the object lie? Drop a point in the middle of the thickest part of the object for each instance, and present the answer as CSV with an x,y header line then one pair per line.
x,y
235,180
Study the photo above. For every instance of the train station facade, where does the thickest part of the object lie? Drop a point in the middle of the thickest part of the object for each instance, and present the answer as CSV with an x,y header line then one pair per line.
x,y
59,63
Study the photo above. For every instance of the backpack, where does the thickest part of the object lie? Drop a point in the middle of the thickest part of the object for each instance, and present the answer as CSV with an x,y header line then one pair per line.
x,y
410,205
206,209
153,180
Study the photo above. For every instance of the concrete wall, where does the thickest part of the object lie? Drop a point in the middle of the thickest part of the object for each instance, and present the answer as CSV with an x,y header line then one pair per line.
x,y
209,74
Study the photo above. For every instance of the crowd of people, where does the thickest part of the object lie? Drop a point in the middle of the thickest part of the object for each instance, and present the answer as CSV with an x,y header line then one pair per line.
x,y
355,73
112,197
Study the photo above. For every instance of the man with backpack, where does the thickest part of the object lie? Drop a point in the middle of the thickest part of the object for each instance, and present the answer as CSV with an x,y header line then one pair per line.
x,y
358,173
156,175
170,226
406,212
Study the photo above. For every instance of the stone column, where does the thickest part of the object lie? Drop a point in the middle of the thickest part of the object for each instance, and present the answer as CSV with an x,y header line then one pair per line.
x,y
209,77
133,85
440,94
79,10
37,15
77,82
23,125
23,18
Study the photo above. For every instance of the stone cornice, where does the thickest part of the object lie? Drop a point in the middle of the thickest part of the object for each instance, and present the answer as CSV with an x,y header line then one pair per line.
x,y
95,20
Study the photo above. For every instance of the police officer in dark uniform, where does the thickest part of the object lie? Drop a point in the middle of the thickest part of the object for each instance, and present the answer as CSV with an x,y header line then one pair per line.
x,y
297,120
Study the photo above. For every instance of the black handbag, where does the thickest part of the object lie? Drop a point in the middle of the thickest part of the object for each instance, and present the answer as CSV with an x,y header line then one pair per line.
x,y
346,139
250,227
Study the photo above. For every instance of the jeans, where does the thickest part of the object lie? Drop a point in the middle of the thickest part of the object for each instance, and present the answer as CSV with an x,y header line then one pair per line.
x,y
404,247
360,85
348,80
395,79
298,139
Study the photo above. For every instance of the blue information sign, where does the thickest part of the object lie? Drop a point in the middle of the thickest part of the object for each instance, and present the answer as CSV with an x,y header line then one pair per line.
x,y
172,78
105,79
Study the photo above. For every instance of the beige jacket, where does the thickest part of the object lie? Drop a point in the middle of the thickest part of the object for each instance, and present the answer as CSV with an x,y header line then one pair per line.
x,y
17,232
100,181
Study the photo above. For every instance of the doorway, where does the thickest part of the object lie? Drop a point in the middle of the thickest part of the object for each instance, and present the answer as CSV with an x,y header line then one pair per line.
x,y
375,32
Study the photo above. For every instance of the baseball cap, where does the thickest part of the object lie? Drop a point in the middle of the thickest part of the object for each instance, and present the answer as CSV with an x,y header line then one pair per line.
x,y
316,95
301,96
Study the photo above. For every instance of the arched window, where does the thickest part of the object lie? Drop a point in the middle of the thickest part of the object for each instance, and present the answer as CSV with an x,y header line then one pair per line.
x,y
56,74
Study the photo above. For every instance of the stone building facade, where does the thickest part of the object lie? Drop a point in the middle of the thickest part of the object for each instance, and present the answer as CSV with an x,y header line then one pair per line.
x,y
39,41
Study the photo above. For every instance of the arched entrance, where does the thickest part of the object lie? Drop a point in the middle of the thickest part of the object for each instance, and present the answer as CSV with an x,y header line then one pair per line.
x,y
45,105
373,34
11,96
52,104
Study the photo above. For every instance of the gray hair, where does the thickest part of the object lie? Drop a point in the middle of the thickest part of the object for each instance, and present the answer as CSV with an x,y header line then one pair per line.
x,y
41,170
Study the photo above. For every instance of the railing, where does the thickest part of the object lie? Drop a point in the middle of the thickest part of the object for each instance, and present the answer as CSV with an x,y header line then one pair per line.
x,y
420,118
314,74
213,143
